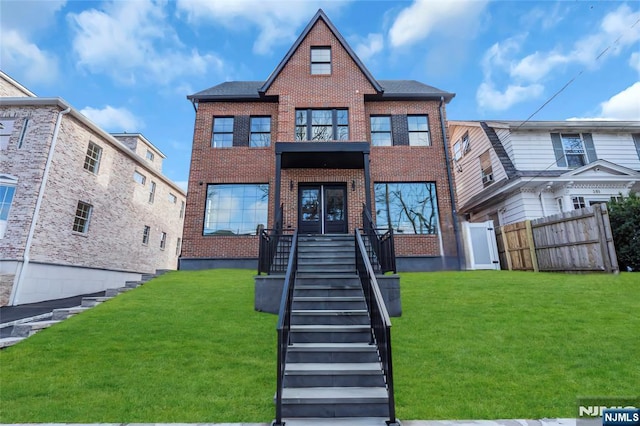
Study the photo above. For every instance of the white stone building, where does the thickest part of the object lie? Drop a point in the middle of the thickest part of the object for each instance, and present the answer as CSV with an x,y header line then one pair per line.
x,y
81,210
509,171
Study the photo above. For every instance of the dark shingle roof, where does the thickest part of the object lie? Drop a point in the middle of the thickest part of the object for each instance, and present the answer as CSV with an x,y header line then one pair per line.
x,y
230,90
247,90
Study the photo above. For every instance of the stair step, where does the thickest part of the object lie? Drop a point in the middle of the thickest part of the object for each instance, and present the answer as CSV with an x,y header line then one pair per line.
x,y
330,333
332,352
5,342
327,291
337,268
330,317
113,292
328,303
29,328
338,421
134,284
335,402
89,302
64,313
358,374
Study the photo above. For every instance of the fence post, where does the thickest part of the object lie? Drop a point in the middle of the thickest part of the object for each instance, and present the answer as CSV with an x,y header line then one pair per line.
x,y
505,246
532,245
606,239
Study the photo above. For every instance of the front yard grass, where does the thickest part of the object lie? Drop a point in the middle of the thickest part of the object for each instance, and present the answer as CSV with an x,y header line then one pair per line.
x,y
188,347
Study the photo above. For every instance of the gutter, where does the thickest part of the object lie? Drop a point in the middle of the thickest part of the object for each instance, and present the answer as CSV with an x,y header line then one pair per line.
x,y
36,213
454,213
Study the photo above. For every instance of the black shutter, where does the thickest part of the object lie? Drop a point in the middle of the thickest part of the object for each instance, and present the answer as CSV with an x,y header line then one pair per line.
x,y
241,128
588,146
558,150
636,140
399,130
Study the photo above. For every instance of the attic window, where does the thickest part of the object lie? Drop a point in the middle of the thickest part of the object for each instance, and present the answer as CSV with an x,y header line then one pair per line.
x,y
321,60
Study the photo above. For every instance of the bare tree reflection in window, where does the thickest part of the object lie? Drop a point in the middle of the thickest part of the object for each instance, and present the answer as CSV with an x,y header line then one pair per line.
x,y
409,208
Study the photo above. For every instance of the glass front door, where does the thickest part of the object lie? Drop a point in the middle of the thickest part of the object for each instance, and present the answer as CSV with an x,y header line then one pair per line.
x,y
322,209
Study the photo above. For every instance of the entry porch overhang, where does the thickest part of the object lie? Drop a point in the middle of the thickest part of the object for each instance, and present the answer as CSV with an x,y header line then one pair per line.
x,y
322,155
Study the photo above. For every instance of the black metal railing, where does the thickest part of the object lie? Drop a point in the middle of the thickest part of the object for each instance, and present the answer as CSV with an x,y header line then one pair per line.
x,y
284,323
275,245
380,322
380,247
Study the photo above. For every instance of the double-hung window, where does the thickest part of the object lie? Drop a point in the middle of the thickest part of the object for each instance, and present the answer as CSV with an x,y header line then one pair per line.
x,y
150,156
321,60
152,192
222,132
381,130
92,160
487,169
163,240
139,177
573,150
418,130
145,235
322,124
578,203
260,135
82,217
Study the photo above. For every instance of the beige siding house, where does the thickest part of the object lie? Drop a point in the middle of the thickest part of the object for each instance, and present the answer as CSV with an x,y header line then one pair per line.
x,y
508,171
81,210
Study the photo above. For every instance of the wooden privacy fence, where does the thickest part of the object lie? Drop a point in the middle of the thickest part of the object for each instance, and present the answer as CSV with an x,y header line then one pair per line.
x,y
575,241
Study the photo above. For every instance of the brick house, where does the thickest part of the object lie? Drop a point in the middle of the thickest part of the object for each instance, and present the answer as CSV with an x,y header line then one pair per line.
x,y
81,210
323,138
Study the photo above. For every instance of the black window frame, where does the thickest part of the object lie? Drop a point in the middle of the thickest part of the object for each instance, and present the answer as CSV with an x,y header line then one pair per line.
x,y
146,232
377,132
262,133
418,131
320,63
308,125
225,132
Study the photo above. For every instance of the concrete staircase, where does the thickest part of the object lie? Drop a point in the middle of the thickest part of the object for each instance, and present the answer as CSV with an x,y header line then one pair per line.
x,y
331,369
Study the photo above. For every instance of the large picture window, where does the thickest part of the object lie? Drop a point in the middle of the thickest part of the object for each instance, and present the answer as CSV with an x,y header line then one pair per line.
x,y
322,124
235,209
407,208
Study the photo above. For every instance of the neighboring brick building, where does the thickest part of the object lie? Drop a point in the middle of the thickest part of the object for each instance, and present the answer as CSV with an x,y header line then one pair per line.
x,y
80,210
322,137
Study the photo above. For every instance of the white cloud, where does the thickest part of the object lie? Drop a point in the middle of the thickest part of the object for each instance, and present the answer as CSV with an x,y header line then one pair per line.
x,y
132,42
488,97
423,17
182,184
277,25
524,77
25,58
370,46
624,105
114,119
634,61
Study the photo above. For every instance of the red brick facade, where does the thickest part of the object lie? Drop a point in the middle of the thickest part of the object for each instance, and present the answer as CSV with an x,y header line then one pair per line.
x,y
347,87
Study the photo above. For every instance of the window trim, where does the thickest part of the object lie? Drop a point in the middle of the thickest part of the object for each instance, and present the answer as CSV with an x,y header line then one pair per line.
x,y
86,220
335,126
410,132
251,132
146,235
214,133
390,132
96,160
320,63
142,179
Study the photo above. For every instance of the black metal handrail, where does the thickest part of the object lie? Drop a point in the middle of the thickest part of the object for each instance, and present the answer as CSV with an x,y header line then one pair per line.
x,y
273,250
381,247
380,322
284,323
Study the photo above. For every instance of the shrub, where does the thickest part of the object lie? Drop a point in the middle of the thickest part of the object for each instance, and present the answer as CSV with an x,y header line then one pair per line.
x,y
624,215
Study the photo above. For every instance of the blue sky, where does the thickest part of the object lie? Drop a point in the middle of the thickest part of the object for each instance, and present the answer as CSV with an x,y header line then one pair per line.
x,y
128,65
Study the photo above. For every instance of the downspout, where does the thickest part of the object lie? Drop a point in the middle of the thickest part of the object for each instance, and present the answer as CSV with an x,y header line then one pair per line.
x,y
36,213
454,212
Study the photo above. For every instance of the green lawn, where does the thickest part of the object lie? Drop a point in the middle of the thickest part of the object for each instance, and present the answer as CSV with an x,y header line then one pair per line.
x,y
188,347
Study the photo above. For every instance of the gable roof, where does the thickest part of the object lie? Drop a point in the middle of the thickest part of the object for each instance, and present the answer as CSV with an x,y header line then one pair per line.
x,y
318,16
236,90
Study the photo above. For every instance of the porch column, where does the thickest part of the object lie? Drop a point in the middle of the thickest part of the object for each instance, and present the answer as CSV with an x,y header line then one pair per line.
x,y
276,204
367,181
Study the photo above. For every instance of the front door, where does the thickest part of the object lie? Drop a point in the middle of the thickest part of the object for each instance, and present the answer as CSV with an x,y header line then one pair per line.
x,y
322,209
